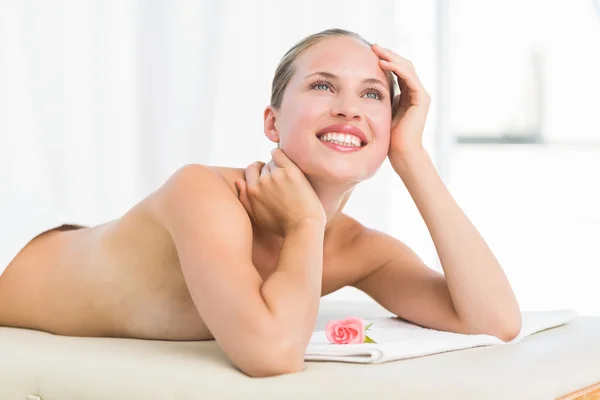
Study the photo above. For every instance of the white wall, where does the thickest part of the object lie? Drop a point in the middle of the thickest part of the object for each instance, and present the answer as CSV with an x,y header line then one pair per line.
x,y
101,101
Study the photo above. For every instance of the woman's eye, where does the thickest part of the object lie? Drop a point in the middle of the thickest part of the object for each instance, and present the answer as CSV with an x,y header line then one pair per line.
x,y
320,86
375,94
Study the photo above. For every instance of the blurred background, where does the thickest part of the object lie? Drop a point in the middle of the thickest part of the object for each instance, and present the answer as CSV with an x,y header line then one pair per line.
x,y
100,101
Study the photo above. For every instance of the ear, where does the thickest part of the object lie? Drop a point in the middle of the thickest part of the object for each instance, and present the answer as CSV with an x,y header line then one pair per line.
x,y
269,125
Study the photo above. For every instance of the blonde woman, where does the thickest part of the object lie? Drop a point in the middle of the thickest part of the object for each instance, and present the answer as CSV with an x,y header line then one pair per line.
x,y
243,255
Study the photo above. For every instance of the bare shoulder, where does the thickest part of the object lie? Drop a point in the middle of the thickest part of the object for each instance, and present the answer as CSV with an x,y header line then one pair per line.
x,y
382,245
191,178
373,249
194,182
361,249
189,188
198,207
195,200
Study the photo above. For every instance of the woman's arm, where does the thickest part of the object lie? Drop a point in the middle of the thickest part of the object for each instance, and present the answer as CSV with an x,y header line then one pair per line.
x,y
473,296
292,293
264,327
481,293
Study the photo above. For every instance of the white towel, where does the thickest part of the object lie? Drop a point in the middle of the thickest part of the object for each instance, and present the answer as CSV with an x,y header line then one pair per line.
x,y
397,339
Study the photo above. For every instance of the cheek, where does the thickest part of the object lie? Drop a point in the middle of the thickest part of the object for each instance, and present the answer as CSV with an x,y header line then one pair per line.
x,y
308,112
380,123
294,133
300,121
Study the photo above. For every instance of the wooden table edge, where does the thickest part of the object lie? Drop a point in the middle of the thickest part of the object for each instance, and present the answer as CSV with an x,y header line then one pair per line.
x,y
591,392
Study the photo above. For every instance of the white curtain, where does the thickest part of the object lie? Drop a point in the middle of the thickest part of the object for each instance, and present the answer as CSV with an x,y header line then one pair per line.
x,y
100,101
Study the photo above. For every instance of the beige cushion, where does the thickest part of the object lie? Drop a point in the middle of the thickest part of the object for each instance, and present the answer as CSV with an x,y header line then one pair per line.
x,y
543,366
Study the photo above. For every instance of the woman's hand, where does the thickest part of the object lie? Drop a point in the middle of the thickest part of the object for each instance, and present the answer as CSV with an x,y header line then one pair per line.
x,y
277,195
410,107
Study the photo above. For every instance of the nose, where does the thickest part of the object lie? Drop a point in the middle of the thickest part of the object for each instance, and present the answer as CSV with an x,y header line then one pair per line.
x,y
345,107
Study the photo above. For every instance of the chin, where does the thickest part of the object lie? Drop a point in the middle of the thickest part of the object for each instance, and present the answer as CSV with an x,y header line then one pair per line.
x,y
327,165
339,172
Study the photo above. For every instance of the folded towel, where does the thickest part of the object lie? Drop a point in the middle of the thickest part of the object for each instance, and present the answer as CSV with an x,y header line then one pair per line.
x,y
397,339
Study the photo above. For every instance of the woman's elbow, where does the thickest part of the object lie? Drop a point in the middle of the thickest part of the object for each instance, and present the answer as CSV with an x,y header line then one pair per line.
x,y
266,369
511,330
506,330
272,357
273,360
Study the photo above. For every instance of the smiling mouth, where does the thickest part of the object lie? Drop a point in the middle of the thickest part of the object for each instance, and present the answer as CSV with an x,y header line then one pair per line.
x,y
341,139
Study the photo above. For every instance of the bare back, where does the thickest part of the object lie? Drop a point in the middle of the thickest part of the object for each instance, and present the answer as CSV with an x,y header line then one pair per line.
x,y
124,278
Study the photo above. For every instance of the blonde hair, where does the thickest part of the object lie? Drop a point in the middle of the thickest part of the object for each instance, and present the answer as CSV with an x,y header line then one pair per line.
x,y
285,70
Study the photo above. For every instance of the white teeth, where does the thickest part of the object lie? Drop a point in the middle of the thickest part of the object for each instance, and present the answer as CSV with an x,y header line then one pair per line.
x,y
341,139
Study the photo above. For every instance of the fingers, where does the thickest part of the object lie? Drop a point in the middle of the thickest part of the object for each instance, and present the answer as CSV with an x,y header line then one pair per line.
x,y
265,170
404,70
411,88
258,169
280,159
388,55
272,166
252,173
406,75
241,185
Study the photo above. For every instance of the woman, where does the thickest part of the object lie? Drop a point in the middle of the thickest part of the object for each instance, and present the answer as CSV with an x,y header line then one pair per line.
x,y
243,255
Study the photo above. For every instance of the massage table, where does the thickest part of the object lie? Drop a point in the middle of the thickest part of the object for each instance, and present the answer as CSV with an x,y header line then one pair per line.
x,y
562,362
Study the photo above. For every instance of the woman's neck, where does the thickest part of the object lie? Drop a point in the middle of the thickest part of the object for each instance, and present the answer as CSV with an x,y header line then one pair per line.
x,y
333,197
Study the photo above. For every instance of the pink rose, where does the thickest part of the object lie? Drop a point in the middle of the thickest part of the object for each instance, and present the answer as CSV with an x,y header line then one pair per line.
x,y
346,331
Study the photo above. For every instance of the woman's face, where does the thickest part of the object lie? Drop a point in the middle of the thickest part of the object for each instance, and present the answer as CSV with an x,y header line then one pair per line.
x,y
337,81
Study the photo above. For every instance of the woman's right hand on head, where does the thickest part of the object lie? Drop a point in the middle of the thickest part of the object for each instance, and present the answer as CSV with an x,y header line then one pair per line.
x,y
277,195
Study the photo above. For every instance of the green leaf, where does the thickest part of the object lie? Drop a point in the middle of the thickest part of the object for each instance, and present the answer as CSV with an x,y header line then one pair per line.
x,y
368,326
369,340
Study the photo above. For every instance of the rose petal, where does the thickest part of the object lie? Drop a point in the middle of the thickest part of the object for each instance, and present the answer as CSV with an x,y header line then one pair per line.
x,y
338,332
354,326
358,327
330,331
359,333
357,338
344,335
354,320
350,330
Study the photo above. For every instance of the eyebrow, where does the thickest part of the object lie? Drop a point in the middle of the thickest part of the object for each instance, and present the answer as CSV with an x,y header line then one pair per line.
x,y
333,76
